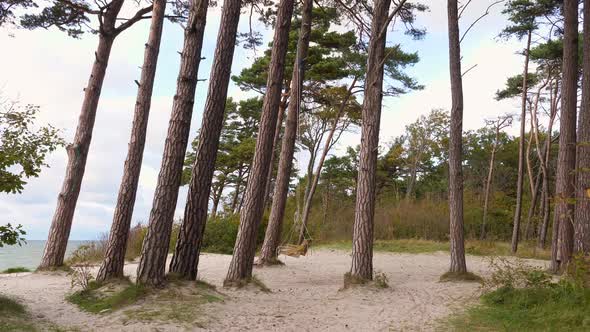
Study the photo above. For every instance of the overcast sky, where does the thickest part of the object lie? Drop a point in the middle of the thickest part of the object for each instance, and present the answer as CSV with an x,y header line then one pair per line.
x,y
47,68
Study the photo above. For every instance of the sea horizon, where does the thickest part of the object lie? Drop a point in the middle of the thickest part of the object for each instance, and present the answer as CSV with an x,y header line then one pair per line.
x,y
29,254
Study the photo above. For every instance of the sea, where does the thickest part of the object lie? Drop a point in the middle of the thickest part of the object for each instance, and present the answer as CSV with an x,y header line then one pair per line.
x,y
29,254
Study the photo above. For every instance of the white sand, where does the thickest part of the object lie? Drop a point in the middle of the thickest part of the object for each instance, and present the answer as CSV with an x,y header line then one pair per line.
x,y
305,296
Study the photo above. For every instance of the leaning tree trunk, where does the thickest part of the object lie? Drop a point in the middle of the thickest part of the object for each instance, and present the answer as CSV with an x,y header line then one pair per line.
x,y
59,233
114,260
582,225
566,160
216,198
362,235
240,267
316,177
488,188
272,236
152,264
275,143
456,145
186,256
520,179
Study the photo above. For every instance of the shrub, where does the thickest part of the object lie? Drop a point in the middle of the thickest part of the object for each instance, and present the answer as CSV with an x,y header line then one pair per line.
x,y
221,233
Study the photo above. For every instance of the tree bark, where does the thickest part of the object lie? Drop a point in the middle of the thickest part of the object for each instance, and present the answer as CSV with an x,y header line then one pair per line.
x,y
216,198
112,266
272,236
318,171
544,160
59,232
362,235
489,183
566,160
275,143
156,244
186,255
582,225
520,179
240,267
456,145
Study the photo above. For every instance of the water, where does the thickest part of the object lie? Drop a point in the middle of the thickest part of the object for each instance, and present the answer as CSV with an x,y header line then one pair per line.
x,y
29,255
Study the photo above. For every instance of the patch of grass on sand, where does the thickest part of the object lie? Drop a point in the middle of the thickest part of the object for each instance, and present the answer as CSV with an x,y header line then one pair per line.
x,y
98,298
242,283
14,316
179,301
460,276
380,281
472,247
18,269
560,307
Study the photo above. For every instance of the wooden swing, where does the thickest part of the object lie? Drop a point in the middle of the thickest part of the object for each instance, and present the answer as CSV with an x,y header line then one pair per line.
x,y
289,249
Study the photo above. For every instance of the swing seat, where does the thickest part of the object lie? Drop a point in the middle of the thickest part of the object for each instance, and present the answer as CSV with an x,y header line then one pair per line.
x,y
294,250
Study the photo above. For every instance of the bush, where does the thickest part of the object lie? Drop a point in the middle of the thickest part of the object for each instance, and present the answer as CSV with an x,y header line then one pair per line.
x,y
221,233
18,269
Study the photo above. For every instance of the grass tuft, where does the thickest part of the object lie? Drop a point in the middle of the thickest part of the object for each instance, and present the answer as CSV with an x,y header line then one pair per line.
x,y
242,283
380,281
18,269
460,276
102,298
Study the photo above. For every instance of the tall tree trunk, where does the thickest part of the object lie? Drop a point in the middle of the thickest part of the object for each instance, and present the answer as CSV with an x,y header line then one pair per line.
x,y
275,143
273,230
217,198
186,256
488,187
566,160
582,225
112,266
152,264
59,232
544,160
318,171
240,267
362,234
520,179
235,202
533,207
456,145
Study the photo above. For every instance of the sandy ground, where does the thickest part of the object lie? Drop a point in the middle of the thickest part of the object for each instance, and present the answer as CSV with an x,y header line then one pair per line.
x,y
305,296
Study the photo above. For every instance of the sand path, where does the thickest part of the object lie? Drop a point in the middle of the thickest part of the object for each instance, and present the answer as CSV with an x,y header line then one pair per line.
x,y
305,296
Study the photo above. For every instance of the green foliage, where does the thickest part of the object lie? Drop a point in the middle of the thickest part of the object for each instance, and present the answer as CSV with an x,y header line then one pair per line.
x,y
9,7
23,147
513,86
10,235
524,16
72,19
99,298
18,269
221,233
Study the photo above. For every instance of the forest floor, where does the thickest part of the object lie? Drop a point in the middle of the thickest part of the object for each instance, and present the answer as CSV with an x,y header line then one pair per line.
x,y
305,294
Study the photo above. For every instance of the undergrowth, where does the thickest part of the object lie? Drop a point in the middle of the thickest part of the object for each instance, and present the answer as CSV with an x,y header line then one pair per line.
x,y
517,297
